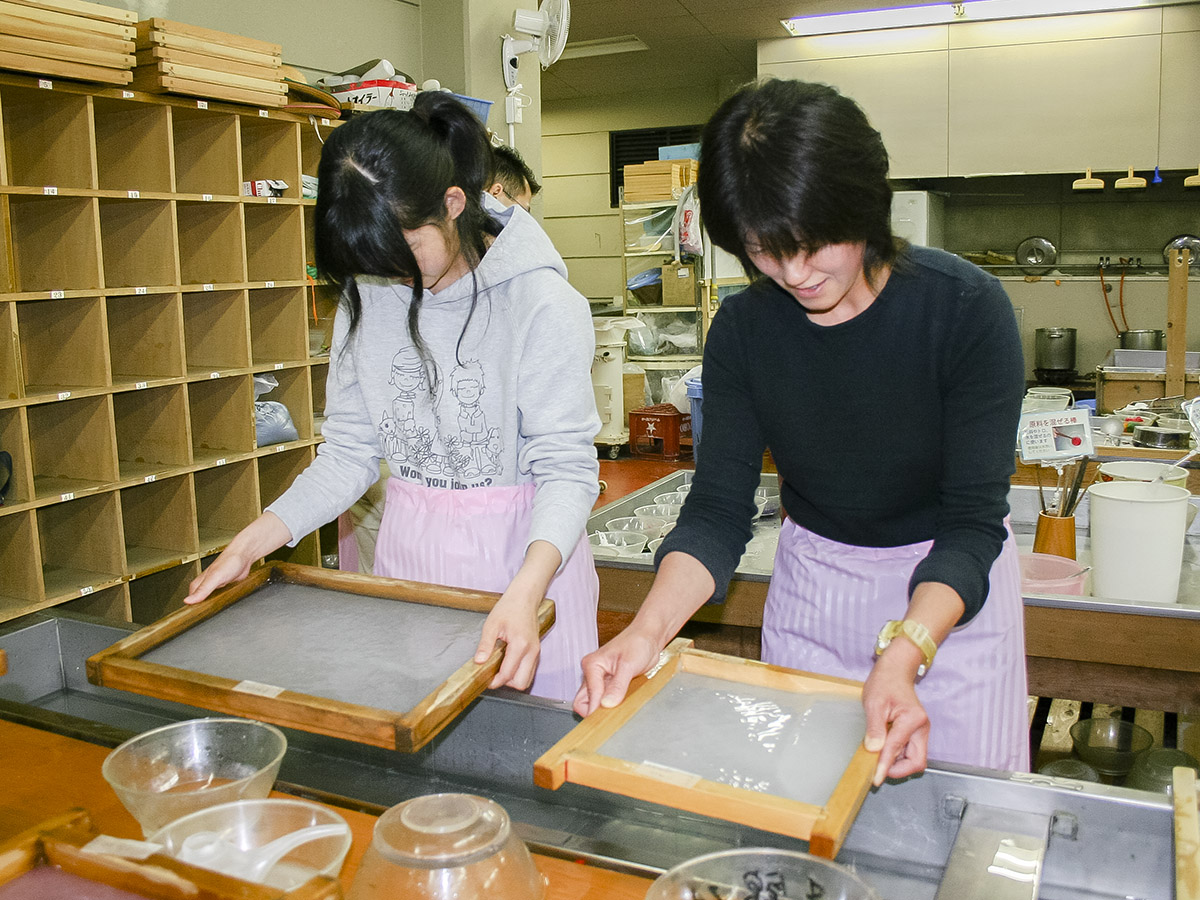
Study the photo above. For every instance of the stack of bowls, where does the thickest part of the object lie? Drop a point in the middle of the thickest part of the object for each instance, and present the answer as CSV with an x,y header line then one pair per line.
x,y
1152,771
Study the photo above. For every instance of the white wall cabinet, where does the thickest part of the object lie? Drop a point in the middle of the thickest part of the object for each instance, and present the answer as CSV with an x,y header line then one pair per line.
x,y
1056,107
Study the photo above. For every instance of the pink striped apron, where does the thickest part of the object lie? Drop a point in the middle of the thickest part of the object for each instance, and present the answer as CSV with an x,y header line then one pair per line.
x,y
476,539
827,602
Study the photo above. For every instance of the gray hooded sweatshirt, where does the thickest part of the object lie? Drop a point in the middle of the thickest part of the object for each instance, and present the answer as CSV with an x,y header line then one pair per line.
x,y
513,402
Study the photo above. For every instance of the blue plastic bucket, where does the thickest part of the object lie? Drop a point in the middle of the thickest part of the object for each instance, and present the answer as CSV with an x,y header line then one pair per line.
x,y
695,395
481,108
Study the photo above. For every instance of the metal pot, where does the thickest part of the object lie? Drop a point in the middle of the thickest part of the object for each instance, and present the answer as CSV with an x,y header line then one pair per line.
x,y
1143,339
1054,348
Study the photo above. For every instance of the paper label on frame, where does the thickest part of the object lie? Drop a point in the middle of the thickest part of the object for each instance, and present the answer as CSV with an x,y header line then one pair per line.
x,y
257,689
1055,435
107,845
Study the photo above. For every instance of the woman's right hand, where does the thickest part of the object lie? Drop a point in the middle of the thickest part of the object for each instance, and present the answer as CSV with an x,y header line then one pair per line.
x,y
608,671
264,535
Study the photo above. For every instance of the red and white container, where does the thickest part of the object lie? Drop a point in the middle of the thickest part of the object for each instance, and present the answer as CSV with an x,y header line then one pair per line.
x,y
387,94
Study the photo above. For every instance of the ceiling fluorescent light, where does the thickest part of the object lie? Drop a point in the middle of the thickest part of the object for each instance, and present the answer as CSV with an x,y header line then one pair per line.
x,y
626,43
941,13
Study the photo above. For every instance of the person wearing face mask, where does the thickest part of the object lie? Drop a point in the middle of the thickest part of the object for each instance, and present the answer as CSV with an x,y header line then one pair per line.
x,y
461,357
512,179
895,548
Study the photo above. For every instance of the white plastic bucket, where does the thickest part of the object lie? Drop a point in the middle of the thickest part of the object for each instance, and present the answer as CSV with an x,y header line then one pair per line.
x,y
1137,533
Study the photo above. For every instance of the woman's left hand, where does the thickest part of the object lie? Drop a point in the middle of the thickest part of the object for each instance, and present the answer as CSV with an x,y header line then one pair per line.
x,y
513,620
897,724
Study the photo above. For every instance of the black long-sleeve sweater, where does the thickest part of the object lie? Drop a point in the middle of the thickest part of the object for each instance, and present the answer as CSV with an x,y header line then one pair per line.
x,y
895,427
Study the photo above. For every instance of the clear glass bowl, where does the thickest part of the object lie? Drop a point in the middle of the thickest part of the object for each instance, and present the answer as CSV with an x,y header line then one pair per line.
x,y
648,525
446,847
1110,745
626,543
754,873
1153,770
169,772
249,825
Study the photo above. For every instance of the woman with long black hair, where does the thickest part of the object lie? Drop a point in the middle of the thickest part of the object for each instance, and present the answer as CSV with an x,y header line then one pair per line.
x,y
462,357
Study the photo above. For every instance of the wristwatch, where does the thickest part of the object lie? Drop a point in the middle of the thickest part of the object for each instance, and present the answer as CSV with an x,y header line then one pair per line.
x,y
915,632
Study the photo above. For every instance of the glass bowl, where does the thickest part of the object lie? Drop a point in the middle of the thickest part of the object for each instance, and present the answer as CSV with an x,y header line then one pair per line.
x,y
652,546
648,525
178,769
240,831
1152,771
446,847
1110,745
1070,768
753,873
668,511
671,498
626,543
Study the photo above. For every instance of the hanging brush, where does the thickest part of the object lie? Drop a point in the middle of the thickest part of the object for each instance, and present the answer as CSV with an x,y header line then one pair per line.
x,y
1087,182
1129,182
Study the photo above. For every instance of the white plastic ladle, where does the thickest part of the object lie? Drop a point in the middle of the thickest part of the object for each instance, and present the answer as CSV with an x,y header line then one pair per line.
x,y
214,850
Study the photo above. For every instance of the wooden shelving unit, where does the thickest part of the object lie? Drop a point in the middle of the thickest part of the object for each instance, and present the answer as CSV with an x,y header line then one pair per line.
x,y
140,293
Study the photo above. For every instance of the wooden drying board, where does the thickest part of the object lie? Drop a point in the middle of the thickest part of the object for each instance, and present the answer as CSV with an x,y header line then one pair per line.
x,y
85,9
577,757
68,52
155,54
40,65
68,20
158,84
1187,833
57,34
1177,295
212,76
122,666
60,842
225,38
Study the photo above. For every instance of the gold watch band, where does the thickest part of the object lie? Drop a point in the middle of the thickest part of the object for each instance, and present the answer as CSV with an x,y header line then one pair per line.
x,y
915,632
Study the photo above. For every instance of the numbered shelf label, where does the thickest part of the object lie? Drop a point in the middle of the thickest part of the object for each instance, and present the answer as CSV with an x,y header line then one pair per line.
x,y
201,104
45,84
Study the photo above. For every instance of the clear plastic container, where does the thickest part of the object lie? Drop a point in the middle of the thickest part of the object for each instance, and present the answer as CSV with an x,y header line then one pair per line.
x,y
753,873
447,847
169,772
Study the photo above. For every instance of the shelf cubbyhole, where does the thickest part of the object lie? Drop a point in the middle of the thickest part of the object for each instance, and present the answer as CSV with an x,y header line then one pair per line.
x,y
152,431
55,243
145,337
154,596
21,589
137,239
324,298
277,471
14,438
111,603
7,284
133,145
212,245
222,414
271,150
294,392
206,152
47,138
159,522
278,325
12,384
73,446
274,242
216,327
226,502
64,345
312,138
81,545
307,552
318,375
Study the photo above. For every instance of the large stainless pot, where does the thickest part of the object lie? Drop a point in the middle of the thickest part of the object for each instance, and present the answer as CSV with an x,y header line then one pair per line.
x,y
1054,349
1143,339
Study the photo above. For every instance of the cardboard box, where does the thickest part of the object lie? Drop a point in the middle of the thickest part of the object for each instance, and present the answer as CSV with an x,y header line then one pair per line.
x,y
388,94
633,386
679,284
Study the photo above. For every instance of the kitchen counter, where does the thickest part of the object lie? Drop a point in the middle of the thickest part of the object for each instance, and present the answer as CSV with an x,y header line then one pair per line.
x,y
1125,653
1099,841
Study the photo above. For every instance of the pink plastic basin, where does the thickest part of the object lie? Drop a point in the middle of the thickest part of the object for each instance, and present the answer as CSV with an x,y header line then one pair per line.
x,y
1044,573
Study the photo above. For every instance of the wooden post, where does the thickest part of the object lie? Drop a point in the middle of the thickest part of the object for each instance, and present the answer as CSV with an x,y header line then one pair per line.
x,y
1177,291
1187,833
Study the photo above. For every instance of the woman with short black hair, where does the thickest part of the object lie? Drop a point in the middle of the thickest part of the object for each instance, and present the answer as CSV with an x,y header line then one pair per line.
x,y
886,380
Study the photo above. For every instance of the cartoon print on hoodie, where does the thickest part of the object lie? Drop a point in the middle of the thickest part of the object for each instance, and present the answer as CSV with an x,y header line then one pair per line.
x,y
478,447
